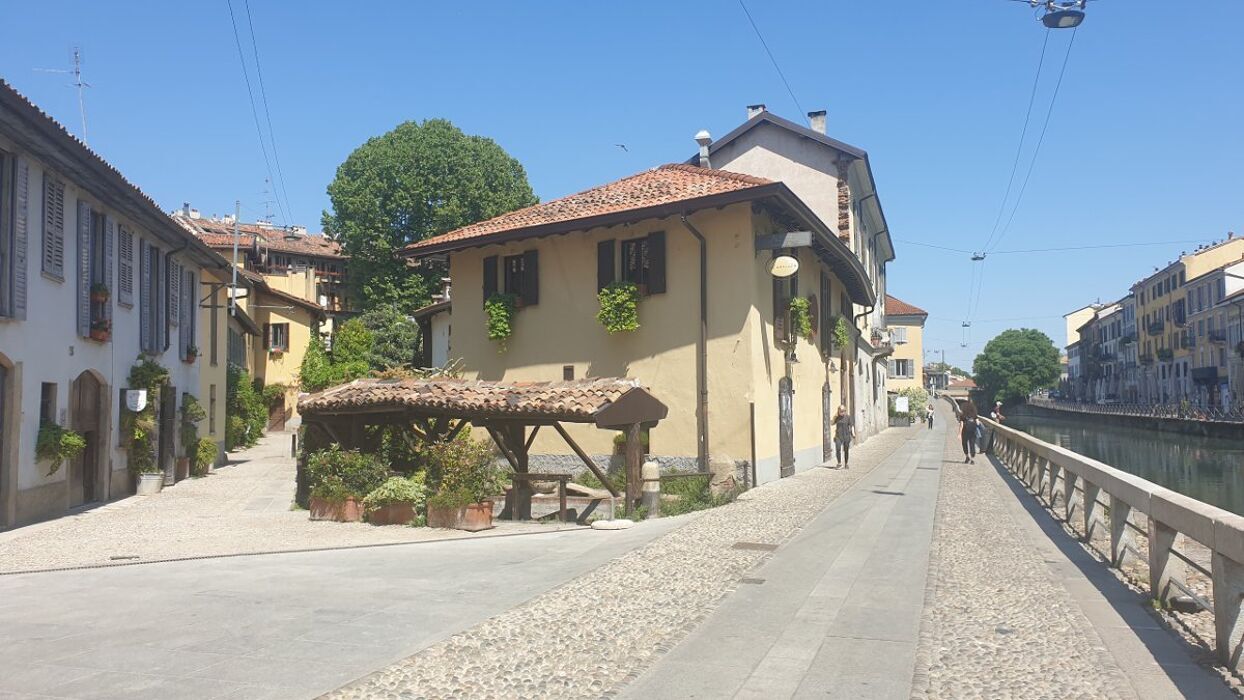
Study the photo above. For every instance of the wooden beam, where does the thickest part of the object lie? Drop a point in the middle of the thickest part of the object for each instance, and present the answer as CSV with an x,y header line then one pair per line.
x,y
532,438
453,432
587,461
496,437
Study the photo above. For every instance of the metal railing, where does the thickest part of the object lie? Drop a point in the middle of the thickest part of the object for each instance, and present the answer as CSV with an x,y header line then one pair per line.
x,y
1050,472
1180,411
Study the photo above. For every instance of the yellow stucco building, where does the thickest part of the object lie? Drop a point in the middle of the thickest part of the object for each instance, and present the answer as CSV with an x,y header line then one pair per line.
x,y
906,324
715,340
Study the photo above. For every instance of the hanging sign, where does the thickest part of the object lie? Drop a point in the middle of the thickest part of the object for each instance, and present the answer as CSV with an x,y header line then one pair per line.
x,y
783,266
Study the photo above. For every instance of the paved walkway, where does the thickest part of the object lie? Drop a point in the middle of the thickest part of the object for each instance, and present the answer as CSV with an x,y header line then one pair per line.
x,y
929,578
245,507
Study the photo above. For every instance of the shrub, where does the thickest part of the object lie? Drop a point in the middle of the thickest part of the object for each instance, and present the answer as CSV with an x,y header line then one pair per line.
x,y
450,499
191,413
243,401
397,489
842,336
619,307
499,308
56,445
468,466
203,458
336,474
138,428
801,317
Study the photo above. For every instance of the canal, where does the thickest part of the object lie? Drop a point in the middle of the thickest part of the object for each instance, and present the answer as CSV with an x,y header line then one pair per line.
x,y
1207,469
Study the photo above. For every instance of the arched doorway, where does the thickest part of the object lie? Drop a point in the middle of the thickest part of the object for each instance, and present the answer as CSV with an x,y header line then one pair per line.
x,y
88,475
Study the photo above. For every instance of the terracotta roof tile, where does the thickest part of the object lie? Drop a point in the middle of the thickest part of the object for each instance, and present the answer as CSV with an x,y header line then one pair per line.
x,y
219,234
577,399
897,307
962,384
666,184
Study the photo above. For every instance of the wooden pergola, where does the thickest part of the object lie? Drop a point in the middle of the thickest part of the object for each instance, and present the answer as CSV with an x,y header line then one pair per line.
x,y
436,410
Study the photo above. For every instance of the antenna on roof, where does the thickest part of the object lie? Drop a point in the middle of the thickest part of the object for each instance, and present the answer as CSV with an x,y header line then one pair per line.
x,y
267,202
78,83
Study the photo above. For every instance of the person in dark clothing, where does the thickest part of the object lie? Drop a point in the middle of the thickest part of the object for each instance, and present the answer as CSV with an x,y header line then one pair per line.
x,y
929,417
844,432
968,423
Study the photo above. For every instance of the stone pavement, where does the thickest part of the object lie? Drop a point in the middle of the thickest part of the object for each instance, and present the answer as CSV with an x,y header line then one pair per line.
x,y
244,507
273,626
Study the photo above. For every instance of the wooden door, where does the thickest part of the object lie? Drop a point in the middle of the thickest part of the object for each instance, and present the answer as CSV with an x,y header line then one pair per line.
x,y
84,478
167,439
786,425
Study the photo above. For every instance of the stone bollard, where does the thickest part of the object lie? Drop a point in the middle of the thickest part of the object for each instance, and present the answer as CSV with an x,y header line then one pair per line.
x,y
651,474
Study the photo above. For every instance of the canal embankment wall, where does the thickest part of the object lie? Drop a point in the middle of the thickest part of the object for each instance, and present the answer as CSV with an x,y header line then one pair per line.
x,y
1181,426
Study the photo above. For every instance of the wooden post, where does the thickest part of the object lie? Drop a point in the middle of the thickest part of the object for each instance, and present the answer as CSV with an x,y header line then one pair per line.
x,y
518,445
634,462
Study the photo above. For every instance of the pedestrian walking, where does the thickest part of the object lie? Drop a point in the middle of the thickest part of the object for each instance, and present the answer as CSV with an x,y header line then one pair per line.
x,y
996,415
844,433
968,425
929,417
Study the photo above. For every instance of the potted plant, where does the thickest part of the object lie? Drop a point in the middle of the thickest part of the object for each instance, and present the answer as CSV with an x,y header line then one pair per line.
x,y
192,354
396,501
138,429
204,457
801,317
339,480
469,480
101,330
100,294
57,445
276,353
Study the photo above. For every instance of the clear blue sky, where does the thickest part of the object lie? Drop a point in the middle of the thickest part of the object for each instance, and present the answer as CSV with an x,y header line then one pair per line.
x,y
1146,142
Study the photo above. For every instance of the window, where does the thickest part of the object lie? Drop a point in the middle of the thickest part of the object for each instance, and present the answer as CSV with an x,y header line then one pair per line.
x,y
211,409
903,368
125,267
153,327
522,277
898,335
98,262
276,336
47,403
642,263
784,289
53,227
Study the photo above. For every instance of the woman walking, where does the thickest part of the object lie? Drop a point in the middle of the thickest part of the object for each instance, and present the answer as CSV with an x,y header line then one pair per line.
x,y
844,432
967,431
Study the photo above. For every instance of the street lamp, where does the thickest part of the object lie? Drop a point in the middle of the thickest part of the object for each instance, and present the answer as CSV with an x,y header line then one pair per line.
x,y
1063,19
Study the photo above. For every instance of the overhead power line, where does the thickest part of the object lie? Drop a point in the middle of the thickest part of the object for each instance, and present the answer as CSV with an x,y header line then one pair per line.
x,y
1055,250
250,93
263,92
773,60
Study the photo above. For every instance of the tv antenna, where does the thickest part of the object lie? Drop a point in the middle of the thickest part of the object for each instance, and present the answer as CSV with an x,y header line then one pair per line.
x,y
78,83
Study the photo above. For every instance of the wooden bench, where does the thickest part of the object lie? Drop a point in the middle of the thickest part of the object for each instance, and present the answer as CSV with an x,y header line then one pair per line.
x,y
529,477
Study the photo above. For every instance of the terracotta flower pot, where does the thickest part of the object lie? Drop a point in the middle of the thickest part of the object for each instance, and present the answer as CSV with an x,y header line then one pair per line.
x,y
444,516
392,514
183,468
101,335
347,511
476,517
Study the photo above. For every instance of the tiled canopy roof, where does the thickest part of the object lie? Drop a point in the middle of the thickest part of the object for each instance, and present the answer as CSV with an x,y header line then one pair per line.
x,y
666,184
966,383
219,234
897,307
576,400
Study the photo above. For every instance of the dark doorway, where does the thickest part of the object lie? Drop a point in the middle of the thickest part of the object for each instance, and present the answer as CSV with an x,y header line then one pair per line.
x,y
85,478
168,428
786,426
827,421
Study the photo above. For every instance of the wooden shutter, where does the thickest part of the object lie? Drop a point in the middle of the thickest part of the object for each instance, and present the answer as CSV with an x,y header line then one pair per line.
x,y
890,365
656,262
161,264
53,226
531,278
267,336
125,267
190,307
605,265
110,234
779,312
21,229
490,277
144,295
84,269
213,333
174,292
825,331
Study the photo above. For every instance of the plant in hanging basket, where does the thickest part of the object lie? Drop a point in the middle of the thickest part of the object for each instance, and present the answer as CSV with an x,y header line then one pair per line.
x,y
276,353
801,317
619,307
499,310
101,330
842,336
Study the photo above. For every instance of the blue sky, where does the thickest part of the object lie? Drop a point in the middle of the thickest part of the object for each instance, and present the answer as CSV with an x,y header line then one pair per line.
x,y
1146,142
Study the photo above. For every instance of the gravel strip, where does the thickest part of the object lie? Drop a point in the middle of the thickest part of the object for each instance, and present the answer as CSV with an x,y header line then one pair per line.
x,y
995,624
243,508
594,634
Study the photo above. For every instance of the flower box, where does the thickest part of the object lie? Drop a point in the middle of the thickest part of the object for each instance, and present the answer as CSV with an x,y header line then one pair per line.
x,y
472,518
349,510
392,514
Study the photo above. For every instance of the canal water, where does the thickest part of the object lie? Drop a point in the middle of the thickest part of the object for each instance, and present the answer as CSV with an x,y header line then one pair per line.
x,y
1207,469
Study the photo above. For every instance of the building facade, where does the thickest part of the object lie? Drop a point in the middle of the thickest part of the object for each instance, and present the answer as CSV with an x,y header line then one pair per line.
x,y
93,276
906,324
1207,338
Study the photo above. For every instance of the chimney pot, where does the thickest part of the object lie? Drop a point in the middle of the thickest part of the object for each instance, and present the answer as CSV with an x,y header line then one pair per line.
x,y
817,120
704,139
753,110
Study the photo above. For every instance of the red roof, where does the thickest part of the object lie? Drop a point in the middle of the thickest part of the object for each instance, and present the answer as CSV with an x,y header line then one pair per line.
x,y
897,307
218,233
962,384
666,184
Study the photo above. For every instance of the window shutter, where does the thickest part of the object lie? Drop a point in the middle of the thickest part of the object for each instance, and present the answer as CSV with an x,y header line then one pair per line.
x,y
84,269
190,309
490,277
605,263
184,330
161,262
825,331
110,233
656,262
53,226
267,336
531,278
21,230
890,367
174,292
125,267
144,295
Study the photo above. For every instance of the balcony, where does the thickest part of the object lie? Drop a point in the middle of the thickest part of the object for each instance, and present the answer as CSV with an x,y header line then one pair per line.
x,y
1146,359
1188,339
1157,328
1166,354
1127,339
1217,336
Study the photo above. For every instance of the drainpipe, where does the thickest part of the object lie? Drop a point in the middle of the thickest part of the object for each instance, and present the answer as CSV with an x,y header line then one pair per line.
x,y
701,352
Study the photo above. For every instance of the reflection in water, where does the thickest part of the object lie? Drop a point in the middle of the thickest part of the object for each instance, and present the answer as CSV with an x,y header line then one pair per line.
x,y
1207,469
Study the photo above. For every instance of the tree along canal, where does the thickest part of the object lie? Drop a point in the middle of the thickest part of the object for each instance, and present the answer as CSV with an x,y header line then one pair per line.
x,y
1207,469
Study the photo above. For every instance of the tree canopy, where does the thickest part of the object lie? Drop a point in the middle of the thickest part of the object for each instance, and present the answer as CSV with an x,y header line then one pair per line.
x,y
395,338
416,181
1015,363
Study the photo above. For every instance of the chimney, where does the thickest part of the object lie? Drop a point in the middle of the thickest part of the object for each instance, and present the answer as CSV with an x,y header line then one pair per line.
x,y
817,120
753,110
704,139
185,209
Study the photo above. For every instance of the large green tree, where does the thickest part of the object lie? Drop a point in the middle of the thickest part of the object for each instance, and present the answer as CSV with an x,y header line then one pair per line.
x,y
395,338
416,181
1015,363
